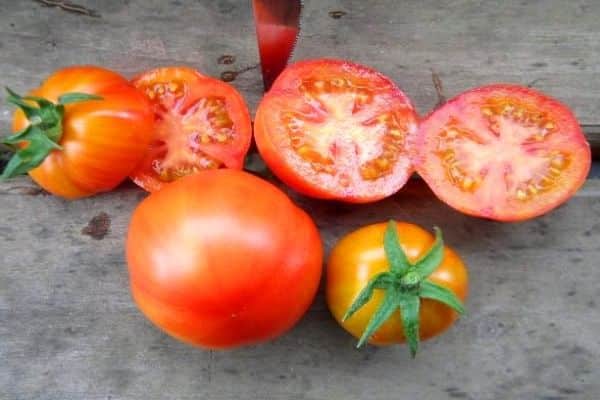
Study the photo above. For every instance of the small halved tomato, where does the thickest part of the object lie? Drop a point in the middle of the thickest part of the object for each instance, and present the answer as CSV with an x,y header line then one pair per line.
x,y
201,123
503,152
336,130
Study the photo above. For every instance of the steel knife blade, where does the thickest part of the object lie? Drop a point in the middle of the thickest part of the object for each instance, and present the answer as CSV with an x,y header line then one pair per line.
x,y
277,29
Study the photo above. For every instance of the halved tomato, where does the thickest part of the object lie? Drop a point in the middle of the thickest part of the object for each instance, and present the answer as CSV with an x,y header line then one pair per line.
x,y
201,123
333,129
503,152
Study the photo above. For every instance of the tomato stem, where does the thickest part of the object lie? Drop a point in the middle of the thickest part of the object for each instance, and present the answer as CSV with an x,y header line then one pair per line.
x,y
404,285
42,135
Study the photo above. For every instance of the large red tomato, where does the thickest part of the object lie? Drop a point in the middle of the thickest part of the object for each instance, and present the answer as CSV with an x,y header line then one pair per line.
x,y
222,258
76,146
333,129
503,152
201,123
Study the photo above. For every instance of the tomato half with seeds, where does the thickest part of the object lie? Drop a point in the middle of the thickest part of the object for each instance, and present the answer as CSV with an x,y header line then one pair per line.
x,y
503,152
222,258
334,129
201,123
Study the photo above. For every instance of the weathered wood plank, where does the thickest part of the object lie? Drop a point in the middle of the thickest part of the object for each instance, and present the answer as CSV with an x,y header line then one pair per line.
x,y
69,330
552,44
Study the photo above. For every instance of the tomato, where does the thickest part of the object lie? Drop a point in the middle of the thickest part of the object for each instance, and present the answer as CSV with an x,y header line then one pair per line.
x,y
222,258
503,152
93,144
362,256
201,123
333,129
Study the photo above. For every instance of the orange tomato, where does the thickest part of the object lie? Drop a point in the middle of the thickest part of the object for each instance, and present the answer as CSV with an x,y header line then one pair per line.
x,y
101,140
360,256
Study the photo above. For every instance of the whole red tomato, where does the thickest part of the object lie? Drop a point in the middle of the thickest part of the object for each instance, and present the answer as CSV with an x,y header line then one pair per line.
x,y
222,258
85,130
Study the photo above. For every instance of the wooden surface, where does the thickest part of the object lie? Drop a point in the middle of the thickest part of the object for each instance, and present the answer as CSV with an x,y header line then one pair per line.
x,y
69,330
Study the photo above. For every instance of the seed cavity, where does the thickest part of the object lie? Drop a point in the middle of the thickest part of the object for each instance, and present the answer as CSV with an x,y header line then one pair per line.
x,y
179,148
199,162
354,97
557,163
520,113
164,90
457,173
210,121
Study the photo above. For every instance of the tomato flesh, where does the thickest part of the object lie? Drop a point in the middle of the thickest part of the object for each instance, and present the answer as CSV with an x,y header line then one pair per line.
x,y
201,123
503,152
336,130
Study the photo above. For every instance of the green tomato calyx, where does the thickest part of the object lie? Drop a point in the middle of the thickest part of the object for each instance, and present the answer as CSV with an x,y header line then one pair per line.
x,y
42,135
405,284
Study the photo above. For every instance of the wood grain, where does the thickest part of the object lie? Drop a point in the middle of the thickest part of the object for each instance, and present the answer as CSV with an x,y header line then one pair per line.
x,y
71,331
68,327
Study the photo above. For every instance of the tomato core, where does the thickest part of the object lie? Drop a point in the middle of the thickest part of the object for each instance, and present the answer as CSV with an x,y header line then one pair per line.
x,y
328,137
200,124
509,150
182,129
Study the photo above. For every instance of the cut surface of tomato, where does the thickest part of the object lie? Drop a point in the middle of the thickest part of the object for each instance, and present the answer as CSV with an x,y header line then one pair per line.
x,y
200,123
503,152
336,130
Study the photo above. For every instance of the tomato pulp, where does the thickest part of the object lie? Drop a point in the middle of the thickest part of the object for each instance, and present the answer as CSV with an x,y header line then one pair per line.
x,y
222,259
503,152
336,130
201,123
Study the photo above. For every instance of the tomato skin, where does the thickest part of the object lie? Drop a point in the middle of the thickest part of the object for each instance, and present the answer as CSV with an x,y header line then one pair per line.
x,y
276,149
195,86
360,255
465,110
102,140
222,259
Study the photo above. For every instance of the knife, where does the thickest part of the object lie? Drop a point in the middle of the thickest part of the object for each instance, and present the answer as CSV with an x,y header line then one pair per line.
x,y
277,29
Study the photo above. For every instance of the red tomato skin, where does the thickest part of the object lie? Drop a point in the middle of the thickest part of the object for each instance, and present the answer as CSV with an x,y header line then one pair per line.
x,y
222,259
102,140
450,195
293,175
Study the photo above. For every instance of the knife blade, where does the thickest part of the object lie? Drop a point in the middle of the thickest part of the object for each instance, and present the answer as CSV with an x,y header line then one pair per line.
x,y
277,29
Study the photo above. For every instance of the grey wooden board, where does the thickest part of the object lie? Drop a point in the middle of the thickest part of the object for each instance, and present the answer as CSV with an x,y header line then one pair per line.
x,y
69,330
